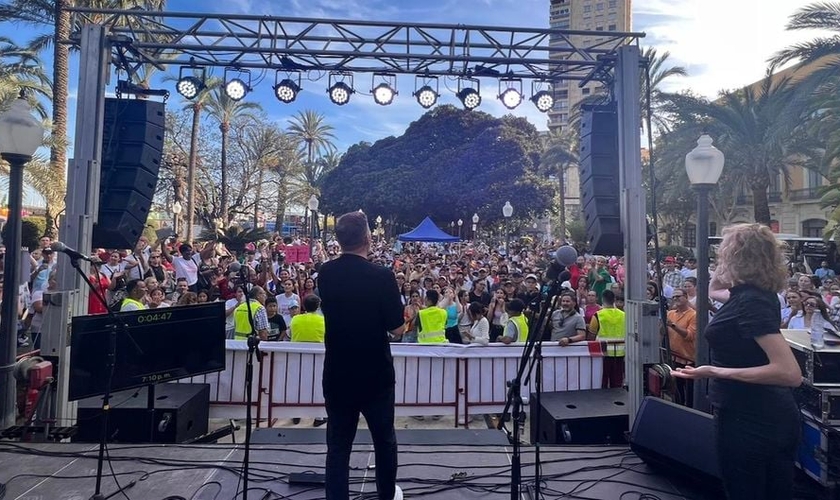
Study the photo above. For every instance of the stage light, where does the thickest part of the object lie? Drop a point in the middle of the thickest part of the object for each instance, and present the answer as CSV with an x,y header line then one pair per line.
x,y
383,94
237,88
469,97
286,91
511,98
340,93
426,96
510,92
542,95
190,86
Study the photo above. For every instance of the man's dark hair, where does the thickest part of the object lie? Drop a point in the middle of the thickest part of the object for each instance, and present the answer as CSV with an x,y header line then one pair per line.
x,y
432,296
515,306
270,300
351,231
131,285
181,279
692,280
311,303
184,247
608,297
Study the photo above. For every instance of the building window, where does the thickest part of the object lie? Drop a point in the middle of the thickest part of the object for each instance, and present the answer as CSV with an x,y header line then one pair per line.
x,y
690,235
814,179
587,8
564,117
611,27
599,6
563,94
613,4
585,91
813,228
713,229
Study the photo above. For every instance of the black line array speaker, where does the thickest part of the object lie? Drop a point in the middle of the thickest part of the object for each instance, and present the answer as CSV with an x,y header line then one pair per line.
x,y
677,440
132,146
599,179
181,413
596,416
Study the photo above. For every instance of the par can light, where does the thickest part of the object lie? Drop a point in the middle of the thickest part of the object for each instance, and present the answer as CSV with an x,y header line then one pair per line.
x,y
286,91
340,93
469,97
511,98
383,94
543,100
426,96
189,87
236,89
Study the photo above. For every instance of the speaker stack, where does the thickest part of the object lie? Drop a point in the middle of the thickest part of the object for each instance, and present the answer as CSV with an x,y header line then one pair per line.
x,y
599,179
132,146
597,416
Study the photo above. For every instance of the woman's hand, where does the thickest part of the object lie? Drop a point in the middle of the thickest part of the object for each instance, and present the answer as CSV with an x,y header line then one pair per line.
x,y
694,373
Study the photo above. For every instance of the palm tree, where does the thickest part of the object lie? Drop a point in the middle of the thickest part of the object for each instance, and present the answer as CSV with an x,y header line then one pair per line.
x,y
823,16
54,13
225,110
314,136
761,133
20,69
559,154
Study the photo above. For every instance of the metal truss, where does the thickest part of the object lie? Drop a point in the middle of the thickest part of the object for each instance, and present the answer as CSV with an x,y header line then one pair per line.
x,y
323,45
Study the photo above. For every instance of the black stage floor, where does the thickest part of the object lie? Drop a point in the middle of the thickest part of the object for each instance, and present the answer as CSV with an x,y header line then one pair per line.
x,y
211,472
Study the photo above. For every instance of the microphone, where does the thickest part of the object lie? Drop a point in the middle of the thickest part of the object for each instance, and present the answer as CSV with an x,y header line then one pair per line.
x,y
58,246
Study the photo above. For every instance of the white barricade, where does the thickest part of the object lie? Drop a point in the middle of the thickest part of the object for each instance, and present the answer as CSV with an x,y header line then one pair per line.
x,y
430,379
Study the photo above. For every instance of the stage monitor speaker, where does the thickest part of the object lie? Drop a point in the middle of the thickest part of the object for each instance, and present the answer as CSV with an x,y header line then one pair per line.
x,y
181,413
132,146
677,440
599,179
596,416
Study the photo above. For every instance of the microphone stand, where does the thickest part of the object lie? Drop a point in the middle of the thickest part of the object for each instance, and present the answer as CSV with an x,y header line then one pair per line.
x,y
110,362
253,349
513,405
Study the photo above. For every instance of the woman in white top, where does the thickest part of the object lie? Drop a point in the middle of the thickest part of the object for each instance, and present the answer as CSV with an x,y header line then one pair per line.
x,y
811,305
285,299
480,331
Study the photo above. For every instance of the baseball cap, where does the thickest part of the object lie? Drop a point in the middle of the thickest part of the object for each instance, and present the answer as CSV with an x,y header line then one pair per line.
x,y
670,260
532,277
293,303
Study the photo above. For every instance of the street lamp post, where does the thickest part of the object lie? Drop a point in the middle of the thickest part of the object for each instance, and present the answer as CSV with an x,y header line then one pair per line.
x,y
379,226
475,225
460,223
176,212
507,211
312,204
452,228
20,135
704,164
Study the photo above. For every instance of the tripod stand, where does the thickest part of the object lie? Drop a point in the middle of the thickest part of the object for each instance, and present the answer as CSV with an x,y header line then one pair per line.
x,y
513,406
253,351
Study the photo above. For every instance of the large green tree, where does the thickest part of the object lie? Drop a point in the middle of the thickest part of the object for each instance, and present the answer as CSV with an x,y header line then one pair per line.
x,y
560,153
21,69
448,164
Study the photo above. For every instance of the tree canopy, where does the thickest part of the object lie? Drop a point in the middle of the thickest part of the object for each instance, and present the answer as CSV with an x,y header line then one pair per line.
x,y
449,164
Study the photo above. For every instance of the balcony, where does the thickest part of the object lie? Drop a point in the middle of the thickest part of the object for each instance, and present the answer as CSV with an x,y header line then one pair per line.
x,y
811,193
747,199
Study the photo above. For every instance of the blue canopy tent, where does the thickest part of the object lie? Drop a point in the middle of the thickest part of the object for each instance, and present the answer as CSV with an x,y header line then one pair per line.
x,y
427,231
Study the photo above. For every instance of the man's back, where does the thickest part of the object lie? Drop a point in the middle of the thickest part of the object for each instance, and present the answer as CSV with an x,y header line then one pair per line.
x,y
361,303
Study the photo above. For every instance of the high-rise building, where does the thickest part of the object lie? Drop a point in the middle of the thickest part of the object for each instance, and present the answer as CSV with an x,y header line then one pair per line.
x,y
581,15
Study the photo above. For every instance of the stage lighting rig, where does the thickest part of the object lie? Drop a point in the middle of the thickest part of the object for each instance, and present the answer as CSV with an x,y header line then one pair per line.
x,y
237,88
191,85
542,97
286,90
426,95
338,89
511,97
470,96
386,90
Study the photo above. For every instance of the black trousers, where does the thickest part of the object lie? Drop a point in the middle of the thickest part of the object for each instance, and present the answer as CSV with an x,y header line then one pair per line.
x,y
756,451
343,420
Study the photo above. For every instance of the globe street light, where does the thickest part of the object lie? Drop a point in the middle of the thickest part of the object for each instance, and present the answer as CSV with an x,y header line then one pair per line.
x,y
312,204
507,211
475,225
20,135
176,212
460,223
703,165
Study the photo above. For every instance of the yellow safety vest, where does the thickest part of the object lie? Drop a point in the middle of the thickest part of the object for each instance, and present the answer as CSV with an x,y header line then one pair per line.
x,y
308,327
137,303
432,326
241,324
611,326
522,326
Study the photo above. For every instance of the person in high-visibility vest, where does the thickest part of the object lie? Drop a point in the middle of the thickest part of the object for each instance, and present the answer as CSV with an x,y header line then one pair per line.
x,y
608,325
309,326
431,328
516,329
241,321
136,290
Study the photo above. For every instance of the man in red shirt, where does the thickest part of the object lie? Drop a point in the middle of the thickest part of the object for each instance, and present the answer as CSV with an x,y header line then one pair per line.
x,y
99,282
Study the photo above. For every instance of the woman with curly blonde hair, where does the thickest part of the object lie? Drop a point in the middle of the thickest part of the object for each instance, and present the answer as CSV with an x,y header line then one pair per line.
x,y
752,370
